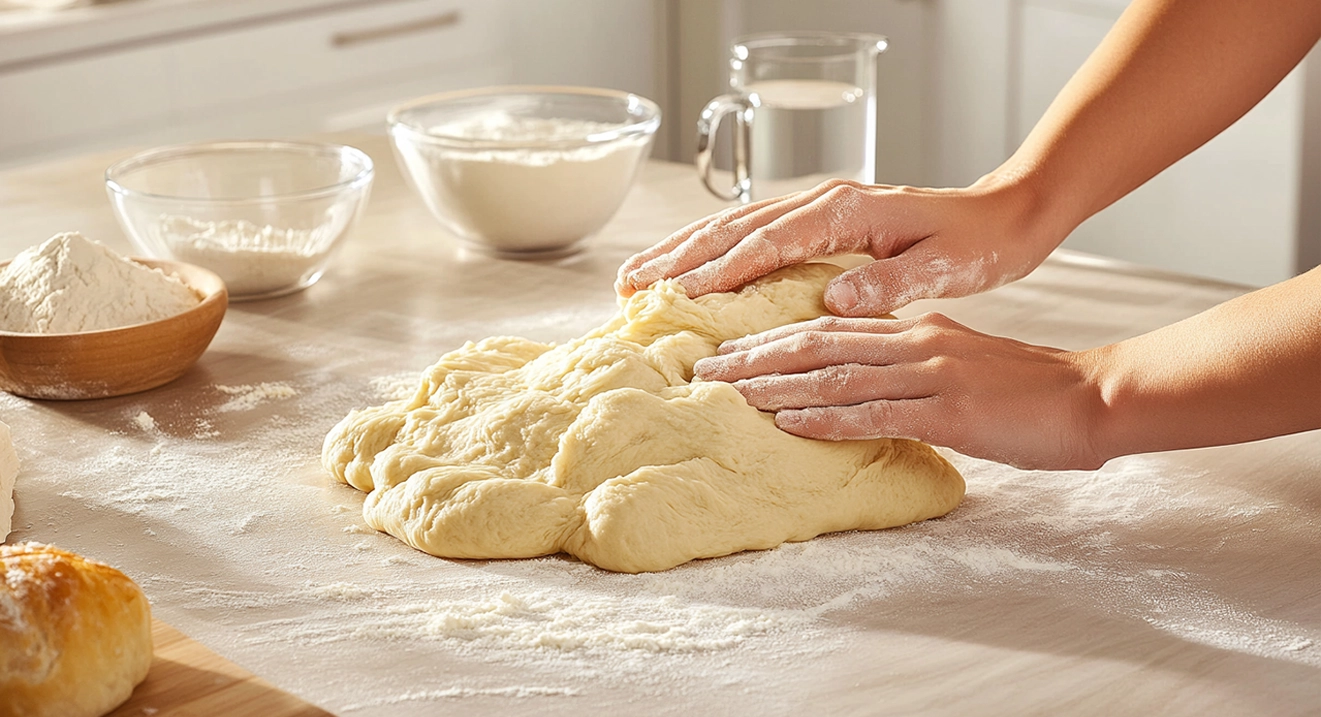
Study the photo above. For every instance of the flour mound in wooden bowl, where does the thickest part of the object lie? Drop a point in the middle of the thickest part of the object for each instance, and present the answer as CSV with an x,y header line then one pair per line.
x,y
606,449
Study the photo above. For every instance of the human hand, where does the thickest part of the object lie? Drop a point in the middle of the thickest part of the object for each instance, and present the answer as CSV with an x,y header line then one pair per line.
x,y
928,243
926,378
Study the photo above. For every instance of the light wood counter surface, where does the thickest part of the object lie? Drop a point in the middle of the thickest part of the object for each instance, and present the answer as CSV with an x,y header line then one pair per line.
x,y
1175,584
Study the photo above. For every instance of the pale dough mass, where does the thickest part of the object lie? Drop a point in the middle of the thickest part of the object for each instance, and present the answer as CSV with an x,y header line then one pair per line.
x,y
603,448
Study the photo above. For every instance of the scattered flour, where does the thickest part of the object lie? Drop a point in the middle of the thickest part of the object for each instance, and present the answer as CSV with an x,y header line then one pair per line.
x,y
144,421
204,429
247,397
552,620
246,524
515,692
69,285
397,386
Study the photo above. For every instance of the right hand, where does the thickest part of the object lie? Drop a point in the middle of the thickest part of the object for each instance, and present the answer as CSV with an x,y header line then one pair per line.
x,y
926,378
927,243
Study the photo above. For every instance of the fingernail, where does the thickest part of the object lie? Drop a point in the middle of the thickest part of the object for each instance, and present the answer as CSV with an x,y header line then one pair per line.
x,y
701,367
841,295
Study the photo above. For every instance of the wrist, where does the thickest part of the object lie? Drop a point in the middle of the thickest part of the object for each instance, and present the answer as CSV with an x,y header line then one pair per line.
x,y
1107,422
1038,212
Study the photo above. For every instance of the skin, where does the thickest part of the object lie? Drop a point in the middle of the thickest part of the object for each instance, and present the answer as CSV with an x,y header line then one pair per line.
x,y
1170,76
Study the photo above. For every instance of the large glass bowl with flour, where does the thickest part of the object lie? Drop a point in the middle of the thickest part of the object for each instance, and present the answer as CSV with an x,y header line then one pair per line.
x,y
265,216
524,171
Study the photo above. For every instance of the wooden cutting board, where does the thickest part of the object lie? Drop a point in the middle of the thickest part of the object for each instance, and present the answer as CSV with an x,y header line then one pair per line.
x,y
188,679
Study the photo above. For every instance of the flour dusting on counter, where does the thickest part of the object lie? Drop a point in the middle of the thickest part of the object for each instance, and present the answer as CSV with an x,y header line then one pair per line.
x,y
516,692
144,421
397,386
247,397
1148,544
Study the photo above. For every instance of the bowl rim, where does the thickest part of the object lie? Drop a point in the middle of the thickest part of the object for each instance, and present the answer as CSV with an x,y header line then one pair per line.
x,y
646,126
208,299
115,172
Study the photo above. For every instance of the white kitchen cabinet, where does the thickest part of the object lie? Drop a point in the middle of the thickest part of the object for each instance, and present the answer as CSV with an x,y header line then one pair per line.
x,y
273,69
151,72
44,107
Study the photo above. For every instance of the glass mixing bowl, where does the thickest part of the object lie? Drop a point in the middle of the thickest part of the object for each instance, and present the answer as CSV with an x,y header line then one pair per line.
x,y
265,216
524,171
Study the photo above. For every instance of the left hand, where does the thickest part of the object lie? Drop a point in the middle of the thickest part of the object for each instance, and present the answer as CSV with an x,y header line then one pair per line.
x,y
926,378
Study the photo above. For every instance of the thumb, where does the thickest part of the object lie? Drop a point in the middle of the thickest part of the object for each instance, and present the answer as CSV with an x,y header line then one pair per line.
x,y
884,285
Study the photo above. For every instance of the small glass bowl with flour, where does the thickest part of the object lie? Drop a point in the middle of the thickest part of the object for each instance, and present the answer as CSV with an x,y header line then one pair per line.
x,y
524,171
265,216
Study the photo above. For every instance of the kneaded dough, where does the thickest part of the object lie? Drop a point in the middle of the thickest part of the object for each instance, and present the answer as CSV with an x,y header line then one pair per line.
x,y
605,448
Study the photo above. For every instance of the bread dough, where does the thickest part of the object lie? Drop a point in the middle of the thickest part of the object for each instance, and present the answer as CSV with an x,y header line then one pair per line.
x,y
75,634
8,476
603,448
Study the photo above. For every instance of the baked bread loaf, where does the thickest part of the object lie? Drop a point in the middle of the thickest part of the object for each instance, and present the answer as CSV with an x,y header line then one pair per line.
x,y
75,634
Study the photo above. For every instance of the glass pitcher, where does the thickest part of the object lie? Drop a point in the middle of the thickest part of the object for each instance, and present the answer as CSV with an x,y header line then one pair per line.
x,y
804,107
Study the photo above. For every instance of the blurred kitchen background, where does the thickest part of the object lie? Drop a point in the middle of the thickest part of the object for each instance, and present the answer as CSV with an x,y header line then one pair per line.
x,y
961,85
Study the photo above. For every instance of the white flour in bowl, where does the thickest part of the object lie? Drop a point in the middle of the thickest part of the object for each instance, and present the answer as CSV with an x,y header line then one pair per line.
x,y
541,198
69,284
250,259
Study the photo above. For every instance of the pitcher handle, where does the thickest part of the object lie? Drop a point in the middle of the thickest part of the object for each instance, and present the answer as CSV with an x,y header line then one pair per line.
x,y
707,125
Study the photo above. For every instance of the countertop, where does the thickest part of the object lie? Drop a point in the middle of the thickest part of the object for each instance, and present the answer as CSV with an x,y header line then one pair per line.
x,y
1183,583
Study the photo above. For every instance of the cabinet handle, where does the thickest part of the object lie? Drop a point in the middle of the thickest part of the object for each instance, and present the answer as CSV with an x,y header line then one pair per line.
x,y
349,39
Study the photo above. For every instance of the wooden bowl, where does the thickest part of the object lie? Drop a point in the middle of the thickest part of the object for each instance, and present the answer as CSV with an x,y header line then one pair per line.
x,y
115,362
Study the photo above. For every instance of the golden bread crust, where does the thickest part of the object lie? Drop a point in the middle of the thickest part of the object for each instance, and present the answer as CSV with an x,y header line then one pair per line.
x,y
75,634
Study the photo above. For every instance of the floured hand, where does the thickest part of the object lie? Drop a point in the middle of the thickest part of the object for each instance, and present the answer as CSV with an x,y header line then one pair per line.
x,y
927,378
928,243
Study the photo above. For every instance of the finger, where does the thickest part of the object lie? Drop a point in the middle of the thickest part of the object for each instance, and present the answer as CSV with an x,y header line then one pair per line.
x,y
826,222
623,286
710,242
650,266
914,419
924,270
825,323
801,352
677,238
837,386
751,258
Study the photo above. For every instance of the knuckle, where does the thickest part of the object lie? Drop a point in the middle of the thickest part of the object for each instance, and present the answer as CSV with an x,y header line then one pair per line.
x,y
878,416
940,365
839,190
828,323
933,319
925,336
839,183
807,342
800,342
830,378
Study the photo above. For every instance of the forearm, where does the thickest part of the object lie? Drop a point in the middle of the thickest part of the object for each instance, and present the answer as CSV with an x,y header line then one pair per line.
x,y
1168,77
1247,369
